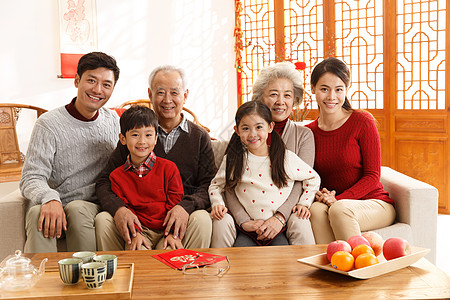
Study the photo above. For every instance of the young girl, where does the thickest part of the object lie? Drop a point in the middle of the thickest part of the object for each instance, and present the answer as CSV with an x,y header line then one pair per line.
x,y
348,159
262,177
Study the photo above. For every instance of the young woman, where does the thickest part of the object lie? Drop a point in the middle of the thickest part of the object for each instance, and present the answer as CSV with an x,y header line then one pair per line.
x,y
348,160
261,176
280,87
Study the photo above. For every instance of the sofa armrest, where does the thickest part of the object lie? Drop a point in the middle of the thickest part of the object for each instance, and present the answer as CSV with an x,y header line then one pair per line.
x,y
416,204
12,223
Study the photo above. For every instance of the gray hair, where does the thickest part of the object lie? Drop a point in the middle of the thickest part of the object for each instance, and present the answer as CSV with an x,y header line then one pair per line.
x,y
166,68
282,69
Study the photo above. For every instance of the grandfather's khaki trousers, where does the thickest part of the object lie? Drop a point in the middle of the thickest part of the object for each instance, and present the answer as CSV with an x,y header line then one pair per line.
x,y
80,234
198,233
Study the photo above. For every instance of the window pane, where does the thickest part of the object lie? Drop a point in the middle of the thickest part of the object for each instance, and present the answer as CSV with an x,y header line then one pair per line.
x,y
359,42
421,54
258,41
304,36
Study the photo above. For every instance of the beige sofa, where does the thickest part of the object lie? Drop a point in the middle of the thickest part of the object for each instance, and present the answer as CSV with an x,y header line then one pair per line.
x,y
416,206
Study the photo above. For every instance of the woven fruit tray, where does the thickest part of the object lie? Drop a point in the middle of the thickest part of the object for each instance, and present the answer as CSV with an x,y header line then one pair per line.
x,y
320,261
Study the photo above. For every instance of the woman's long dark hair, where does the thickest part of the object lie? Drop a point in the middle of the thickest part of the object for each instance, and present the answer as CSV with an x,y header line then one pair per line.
x,y
236,150
334,66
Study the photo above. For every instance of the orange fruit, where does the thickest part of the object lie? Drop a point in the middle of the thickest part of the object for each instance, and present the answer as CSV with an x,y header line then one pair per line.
x,y
360,249
365,260
342,260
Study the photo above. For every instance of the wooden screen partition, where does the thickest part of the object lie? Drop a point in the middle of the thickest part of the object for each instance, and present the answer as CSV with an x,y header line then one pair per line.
x,y
396,50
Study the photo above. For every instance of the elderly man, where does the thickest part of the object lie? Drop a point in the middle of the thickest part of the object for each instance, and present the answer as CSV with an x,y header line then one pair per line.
x,y
68,147
184,143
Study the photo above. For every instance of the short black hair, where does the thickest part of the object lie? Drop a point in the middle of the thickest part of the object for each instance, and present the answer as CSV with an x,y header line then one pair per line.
x,y
137,116
95,60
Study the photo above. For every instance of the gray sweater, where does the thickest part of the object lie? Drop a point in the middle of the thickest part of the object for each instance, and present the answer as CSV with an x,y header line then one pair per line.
x,y
65,156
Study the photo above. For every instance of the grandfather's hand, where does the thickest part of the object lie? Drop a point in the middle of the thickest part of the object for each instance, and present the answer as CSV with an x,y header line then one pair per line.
x,y
125,220
52,219
271,227
178,218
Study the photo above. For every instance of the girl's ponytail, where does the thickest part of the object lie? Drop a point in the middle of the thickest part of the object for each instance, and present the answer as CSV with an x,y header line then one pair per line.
x,y
234,163
277,153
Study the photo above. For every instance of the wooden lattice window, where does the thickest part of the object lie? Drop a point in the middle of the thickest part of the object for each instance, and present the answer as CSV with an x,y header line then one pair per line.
x,y
401,54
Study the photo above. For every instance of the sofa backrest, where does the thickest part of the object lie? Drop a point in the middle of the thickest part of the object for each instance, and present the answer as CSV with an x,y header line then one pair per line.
x,y
219,148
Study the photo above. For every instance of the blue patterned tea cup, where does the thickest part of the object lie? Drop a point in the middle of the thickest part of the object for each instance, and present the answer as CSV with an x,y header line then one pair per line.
x,y
86,256
70,270
94,274
111,264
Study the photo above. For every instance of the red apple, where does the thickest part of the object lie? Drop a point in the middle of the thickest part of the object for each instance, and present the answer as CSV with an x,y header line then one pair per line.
x,y
337,246
375,240
396,247
357,240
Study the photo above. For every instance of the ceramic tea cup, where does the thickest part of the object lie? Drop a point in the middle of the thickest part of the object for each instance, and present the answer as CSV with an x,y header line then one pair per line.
x,y
70,270
94,274
85,256
111,263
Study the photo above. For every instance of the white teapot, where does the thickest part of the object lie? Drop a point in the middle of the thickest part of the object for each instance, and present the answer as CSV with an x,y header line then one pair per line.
x,y
16,272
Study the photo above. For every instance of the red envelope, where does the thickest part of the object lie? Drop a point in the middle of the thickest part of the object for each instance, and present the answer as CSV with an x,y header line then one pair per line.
x,y
176,259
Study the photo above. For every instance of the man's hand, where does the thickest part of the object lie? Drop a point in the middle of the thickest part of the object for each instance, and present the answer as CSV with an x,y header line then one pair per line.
x,y
218,211
125,220
252,225
302,212
271,227
52,219
137,242
173,242
178,218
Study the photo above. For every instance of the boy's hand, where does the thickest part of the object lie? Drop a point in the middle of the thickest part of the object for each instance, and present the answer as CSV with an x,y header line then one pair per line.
x,y
173,242
52,219
302,211
125,220
137,242
218,211
252,225
178,218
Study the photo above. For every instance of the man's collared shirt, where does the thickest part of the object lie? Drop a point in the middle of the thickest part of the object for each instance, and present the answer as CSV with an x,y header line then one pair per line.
x,y
144,168
73,111
167,140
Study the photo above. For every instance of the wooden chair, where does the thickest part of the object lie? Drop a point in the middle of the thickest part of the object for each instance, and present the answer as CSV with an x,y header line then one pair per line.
x,y
147,103
11,159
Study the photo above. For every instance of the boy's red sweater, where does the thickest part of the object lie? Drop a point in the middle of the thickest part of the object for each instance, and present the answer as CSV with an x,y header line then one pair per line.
x,y
152,196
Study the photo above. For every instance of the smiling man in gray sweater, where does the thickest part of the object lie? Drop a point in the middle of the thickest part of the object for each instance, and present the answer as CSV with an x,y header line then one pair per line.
x,y
69,146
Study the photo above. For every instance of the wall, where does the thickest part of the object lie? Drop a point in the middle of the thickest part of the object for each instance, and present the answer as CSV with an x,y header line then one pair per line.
x,y
196,35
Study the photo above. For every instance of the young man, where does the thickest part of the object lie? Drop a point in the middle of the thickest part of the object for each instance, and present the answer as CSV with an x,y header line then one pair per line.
x,y
68,148
189,147
150,186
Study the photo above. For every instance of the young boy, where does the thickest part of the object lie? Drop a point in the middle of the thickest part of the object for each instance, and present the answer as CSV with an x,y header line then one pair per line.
x,y
150,186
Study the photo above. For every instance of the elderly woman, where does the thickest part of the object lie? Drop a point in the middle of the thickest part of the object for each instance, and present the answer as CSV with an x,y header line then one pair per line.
x,y
280,87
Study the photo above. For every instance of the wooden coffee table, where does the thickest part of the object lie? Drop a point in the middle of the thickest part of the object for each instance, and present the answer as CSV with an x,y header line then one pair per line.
x,y
272,273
